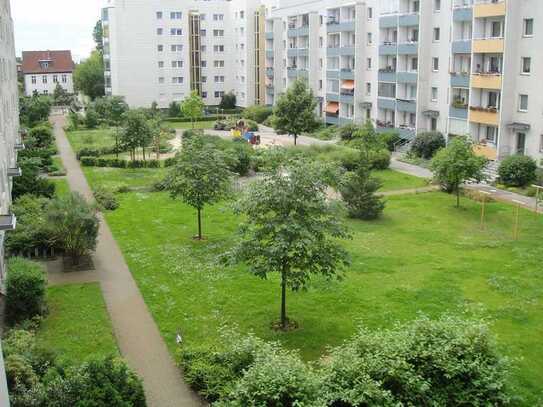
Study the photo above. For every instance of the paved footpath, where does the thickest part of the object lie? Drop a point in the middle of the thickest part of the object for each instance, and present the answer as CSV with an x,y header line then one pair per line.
x,y
137,335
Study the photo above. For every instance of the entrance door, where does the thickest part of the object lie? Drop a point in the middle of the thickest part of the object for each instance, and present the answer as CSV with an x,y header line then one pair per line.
x,y
521,143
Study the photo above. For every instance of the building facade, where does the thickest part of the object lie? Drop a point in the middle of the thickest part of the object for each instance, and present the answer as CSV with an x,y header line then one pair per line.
x,y
9,143
454,66
44,70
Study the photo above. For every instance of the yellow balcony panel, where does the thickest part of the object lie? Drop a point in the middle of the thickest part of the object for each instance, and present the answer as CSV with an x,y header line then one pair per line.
x,y
485,150
484,116
484,10
488,46
486,81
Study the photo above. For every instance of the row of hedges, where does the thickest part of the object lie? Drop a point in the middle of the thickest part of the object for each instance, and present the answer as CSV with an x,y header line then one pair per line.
x,y
118,163
445,362
209,118
97,152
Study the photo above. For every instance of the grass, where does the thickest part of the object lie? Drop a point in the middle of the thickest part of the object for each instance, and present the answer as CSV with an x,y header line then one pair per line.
x,y
394,180
77,326
424,255
98,138
208,124
57,167
61,186
113,178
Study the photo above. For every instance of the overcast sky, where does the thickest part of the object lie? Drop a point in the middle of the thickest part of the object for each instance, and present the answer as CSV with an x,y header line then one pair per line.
x,y
55,24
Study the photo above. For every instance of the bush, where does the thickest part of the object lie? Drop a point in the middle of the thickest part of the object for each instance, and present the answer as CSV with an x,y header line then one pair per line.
x,y
174,110
251,125
517,170
169,162
228,101
425,145
326,133
25,290
88,161
257,113
239,158
91,118
31,181
152,164
347,132
106,199
380,160
40,136
358,190
391,139
270,121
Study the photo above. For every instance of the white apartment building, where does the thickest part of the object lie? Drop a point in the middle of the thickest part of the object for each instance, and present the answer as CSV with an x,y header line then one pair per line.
x,y
44,70
454,66
9,143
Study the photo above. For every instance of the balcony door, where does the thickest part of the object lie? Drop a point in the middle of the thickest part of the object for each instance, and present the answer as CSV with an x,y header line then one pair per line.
x,y
521,143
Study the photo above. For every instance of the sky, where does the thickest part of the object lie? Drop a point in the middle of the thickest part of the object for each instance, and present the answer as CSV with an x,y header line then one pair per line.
x,y
55,24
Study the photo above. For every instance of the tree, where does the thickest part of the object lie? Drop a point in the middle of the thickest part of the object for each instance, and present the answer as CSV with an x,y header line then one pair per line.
x,y
174,110
358,190
112,109
98,36
31,181
457,163
89,76
136,132
61,97
368,141
291,229
193,107
295,110
200,177
75,225
228,101
34,110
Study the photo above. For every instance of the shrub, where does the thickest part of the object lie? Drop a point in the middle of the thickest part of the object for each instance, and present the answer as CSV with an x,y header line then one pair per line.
x,y
239,158
380,160
358,190
117,163
517,170
136,164
257,113
174,110
269,122
102,162
88,161
25,290
91,118
31,181
40,136
169,162
88,152
347,132
251,125
228,101
106,199
426,144
152,164
326,133
391,139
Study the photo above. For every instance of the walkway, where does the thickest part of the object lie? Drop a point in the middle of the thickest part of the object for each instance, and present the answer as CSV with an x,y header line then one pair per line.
x,y
137,335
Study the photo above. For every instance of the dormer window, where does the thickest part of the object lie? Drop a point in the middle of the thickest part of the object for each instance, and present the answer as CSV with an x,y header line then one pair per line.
x,y
44,64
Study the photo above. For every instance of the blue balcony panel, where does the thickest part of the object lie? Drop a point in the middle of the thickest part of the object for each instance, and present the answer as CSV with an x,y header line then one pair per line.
x,y
408,49
331,74
332,97
463,14
388,49
406,106
346,99
387,77
407,77
332,119
341,27
386,103
388,22
269,53
408,20
458,113
459,81
269,35
347,74
461,47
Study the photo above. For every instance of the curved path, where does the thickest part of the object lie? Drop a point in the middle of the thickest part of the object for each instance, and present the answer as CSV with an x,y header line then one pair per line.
x,y
137,335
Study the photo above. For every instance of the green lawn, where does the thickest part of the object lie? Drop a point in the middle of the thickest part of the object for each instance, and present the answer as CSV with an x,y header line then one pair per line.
x,y
77,326
113,178
423,256
98,138
394,180
57,169
61,186
208,124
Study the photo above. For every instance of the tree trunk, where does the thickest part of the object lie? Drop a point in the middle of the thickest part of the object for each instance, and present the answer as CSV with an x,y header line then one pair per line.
x,y
199,224
283,300
295,139
143,148
117,143
458,196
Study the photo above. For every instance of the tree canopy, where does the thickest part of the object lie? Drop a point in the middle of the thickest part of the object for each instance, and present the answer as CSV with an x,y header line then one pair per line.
x,y
89,76
136,132
193,107
295,110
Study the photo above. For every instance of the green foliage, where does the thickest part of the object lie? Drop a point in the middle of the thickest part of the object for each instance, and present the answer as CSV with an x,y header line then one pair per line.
x,y
61,97
228,101
110,109
74,121
290,229
30,182
446,362
239,158
193,107
257,113
98,36
200,176
89,76
106,199
34,110
75,224
347,132
426,144
358,190
91,118
174,110
517,170
455,164
391,139
295,110
40,136
380,159
325,133
136,132
25,290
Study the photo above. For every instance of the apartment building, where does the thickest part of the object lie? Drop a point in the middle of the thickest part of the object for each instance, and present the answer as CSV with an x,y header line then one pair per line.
x,y
454,66
9,143
43,71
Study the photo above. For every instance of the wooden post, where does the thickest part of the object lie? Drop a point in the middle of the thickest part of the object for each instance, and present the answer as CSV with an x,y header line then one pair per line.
x,y
538,189
516,223
484,195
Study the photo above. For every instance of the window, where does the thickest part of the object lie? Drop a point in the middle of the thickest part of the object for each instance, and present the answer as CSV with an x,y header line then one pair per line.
x,y
161,64
177,47
204,95
370,13
434,94
437,34
491,134
528,27
33,78
44,79
523,103
202,33
368,88
242,14
176,15
414,64
218,33
496,29
218,48
203,48
203,63
370,39
435,64
160,48
437,5
368,62
159,15
64,78
219,79
218,17
161,80
176,31
177,64
493,100
46,92
541,143
219,94
204,79
433,124
177,79
526,65
320,84
159,31
218,64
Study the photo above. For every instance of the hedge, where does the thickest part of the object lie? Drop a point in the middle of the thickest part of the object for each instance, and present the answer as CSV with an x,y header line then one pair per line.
x,y
97,152
210,118
118,163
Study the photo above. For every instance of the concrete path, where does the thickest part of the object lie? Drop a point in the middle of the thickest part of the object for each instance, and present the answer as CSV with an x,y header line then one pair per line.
x,y
137,335
410,169
507,196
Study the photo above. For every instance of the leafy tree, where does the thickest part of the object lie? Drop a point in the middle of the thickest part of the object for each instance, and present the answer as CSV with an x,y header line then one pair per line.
x,y
457,163
136,132
228,101
98,36
91,118
31,181
61,97
358,190
174,110
295,110
368,141
33,110
89,76
40,136
112,109
257,113
193,107
75,224
200,176
291,229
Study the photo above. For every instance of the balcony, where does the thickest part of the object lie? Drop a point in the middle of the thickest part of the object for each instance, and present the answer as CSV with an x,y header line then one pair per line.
x,y
409,20
486,150
7,222
388,22
339,51
488,46
461,47
410,48
486,81
269,35
15,172
332,118
269,53
291,72
298,31
489,9
386,75
409,106
386,103
463,14
332,97
407,77
388,49
341,27
346,97
458,112
332,74
346,73
269,72
459,80
481,115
